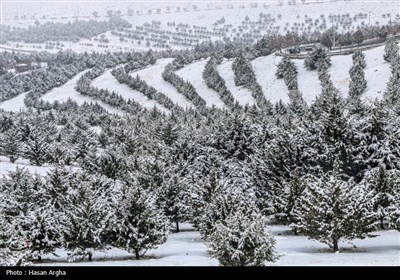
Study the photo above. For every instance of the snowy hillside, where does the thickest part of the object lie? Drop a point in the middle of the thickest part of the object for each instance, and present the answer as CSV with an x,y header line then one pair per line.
x,y
67,91
108,81
209,19
193,73
15,104
152,75
274,89
240,93
159,133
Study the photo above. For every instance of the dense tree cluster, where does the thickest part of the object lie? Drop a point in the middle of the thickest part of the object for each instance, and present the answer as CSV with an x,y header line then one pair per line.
x,y
245,76
328,171
50,31
316,57
288,71
358,83
214,80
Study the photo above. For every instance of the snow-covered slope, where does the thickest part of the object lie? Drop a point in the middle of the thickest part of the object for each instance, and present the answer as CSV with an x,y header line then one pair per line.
x,y
377,74
241,94
339,72
14,104
308,81
108,81
66,91
265,68
152,75
193,73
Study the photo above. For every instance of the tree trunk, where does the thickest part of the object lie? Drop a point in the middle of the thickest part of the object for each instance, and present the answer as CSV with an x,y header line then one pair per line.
x,y
382,225
137,255
39,258
295,231
335,246
90,255
177,226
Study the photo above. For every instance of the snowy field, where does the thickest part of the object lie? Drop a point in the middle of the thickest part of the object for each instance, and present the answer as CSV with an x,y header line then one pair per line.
x,y
200,13
187,249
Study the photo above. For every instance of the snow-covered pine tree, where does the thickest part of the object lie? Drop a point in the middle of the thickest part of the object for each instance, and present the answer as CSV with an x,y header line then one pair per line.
x,y
319,55
10,145
137,224
245,76
85,224
392,93
242,240
358,83
58,182
287,70
243,70
263,47
35,148
333,210
391,49
382,183
227,197
297,105
171,198
395,213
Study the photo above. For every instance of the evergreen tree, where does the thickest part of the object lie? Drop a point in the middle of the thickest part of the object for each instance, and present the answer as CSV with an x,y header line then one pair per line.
x,y
35,147
391,49
358,83
382,184
10,145
332,210
392,93
319,55
86,219
137,225
242,240
287,70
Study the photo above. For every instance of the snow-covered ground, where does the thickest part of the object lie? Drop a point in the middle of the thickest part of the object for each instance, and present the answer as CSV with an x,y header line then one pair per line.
x,y
66,91
187,249
241,94
383,250
206,13
6,166
339,72
377,74
309,84
14,104
265,68
152,75
108,81
194,74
